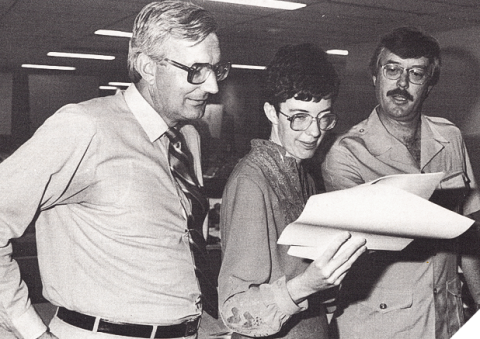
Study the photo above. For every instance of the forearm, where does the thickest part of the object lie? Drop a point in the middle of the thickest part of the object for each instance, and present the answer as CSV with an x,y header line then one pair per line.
x,y
260,310
16,312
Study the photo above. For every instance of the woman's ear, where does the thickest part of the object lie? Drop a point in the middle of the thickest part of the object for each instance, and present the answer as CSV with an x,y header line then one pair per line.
x,y
147,67
271,113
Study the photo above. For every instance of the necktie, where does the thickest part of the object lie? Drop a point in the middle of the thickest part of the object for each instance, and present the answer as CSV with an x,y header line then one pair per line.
x,y
182,170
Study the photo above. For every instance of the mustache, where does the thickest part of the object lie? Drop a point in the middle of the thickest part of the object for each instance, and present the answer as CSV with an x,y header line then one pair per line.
x,y
402,92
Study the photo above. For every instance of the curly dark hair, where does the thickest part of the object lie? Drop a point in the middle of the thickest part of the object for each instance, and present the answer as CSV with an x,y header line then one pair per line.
x,y
302,72
409,43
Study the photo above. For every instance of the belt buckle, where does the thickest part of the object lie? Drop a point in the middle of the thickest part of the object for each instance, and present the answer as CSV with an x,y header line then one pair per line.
x,y
191,327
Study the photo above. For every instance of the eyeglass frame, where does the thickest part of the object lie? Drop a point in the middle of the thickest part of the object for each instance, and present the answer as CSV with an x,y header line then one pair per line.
x,y
291,118
191,70
427,75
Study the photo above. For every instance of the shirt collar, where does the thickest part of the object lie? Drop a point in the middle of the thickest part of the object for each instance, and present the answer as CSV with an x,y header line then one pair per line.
x,y
377,138
151,122
380,141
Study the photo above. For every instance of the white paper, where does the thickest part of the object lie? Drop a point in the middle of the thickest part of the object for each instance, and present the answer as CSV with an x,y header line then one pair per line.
x,y
389,212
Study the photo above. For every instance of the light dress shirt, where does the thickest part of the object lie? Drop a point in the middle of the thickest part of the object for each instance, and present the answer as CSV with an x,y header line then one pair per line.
x,y
414,293
112,228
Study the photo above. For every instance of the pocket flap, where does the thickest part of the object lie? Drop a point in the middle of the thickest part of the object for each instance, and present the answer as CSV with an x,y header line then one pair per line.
x,y
383,300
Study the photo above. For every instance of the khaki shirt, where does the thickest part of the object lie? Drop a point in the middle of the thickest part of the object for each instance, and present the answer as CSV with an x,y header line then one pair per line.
x,y
415,293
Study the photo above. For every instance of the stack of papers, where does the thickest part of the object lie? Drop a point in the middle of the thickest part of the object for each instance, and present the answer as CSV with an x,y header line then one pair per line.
x,y
389,212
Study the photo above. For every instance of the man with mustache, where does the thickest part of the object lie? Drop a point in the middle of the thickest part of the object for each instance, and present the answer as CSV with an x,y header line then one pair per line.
x,y
415,293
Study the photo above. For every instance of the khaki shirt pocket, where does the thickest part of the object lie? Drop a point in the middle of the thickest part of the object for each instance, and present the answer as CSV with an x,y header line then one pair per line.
x,y
385,314
389,300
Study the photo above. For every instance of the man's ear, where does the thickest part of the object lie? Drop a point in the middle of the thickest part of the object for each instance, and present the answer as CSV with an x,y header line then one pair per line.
x,y
146,67
271,113
374,78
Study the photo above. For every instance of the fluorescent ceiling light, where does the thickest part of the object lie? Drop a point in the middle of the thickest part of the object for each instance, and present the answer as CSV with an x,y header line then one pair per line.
x,y
337,52
111,32
116,83
266,3
109,88
80,56
248,67
59,68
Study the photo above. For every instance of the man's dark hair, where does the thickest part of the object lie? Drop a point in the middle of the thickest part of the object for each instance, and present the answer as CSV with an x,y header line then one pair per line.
x,y
409,43
302,72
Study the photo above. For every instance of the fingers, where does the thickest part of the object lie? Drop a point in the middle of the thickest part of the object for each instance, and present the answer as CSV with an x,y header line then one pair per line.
x,y
342,270
340,256
335,245
350,248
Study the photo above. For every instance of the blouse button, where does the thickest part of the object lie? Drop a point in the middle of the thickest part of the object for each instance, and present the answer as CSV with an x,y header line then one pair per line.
x,y
383,306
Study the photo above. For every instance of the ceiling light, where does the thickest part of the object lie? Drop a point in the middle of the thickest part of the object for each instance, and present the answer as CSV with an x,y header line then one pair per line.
x,y
59,68
111,32
266,3
109,88
248,67
121,84
80,56
337,52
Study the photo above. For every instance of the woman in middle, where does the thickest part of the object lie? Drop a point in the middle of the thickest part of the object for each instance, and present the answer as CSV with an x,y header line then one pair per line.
x,y
262,290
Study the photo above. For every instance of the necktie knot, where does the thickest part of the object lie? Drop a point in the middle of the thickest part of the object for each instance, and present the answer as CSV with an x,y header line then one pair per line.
x,y
174,136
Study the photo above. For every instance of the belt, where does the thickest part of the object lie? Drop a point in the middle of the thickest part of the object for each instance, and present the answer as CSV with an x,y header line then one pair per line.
x,y
87,322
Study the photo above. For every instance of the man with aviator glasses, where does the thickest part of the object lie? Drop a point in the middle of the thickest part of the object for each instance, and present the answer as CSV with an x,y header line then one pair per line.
x,y
415,293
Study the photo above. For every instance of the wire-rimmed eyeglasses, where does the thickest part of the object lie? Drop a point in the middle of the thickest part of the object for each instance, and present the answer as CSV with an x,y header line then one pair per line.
x,y
198,72
302,121
416,75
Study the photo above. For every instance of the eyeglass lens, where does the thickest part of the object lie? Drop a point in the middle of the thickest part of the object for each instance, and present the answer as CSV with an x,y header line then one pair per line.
x,y
416,75
300,122
200,72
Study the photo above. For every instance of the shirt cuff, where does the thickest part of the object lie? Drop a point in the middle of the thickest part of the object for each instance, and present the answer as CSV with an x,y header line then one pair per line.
x,y
29,324
284,301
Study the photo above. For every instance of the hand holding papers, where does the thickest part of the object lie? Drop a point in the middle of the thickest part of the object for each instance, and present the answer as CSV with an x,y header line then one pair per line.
x,y
389,212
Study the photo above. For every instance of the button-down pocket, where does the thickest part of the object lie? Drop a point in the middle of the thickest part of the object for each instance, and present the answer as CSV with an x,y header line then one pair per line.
x,y
386,312
389,301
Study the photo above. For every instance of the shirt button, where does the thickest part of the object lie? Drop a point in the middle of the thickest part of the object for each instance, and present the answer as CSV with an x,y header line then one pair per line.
x,y
435,291
383,306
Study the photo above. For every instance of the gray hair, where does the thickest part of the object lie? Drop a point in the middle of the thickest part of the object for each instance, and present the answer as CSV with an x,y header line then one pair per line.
x,y
161,20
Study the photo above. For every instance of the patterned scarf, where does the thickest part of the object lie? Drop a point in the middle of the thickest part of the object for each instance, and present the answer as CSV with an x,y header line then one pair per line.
x,y
284,176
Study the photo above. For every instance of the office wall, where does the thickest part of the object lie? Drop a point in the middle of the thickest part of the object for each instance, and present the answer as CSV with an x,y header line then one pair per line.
x,y
6,85
47,93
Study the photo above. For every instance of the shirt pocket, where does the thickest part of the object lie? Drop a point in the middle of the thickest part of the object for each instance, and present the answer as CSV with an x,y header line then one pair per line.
x,y
385,314
389,300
